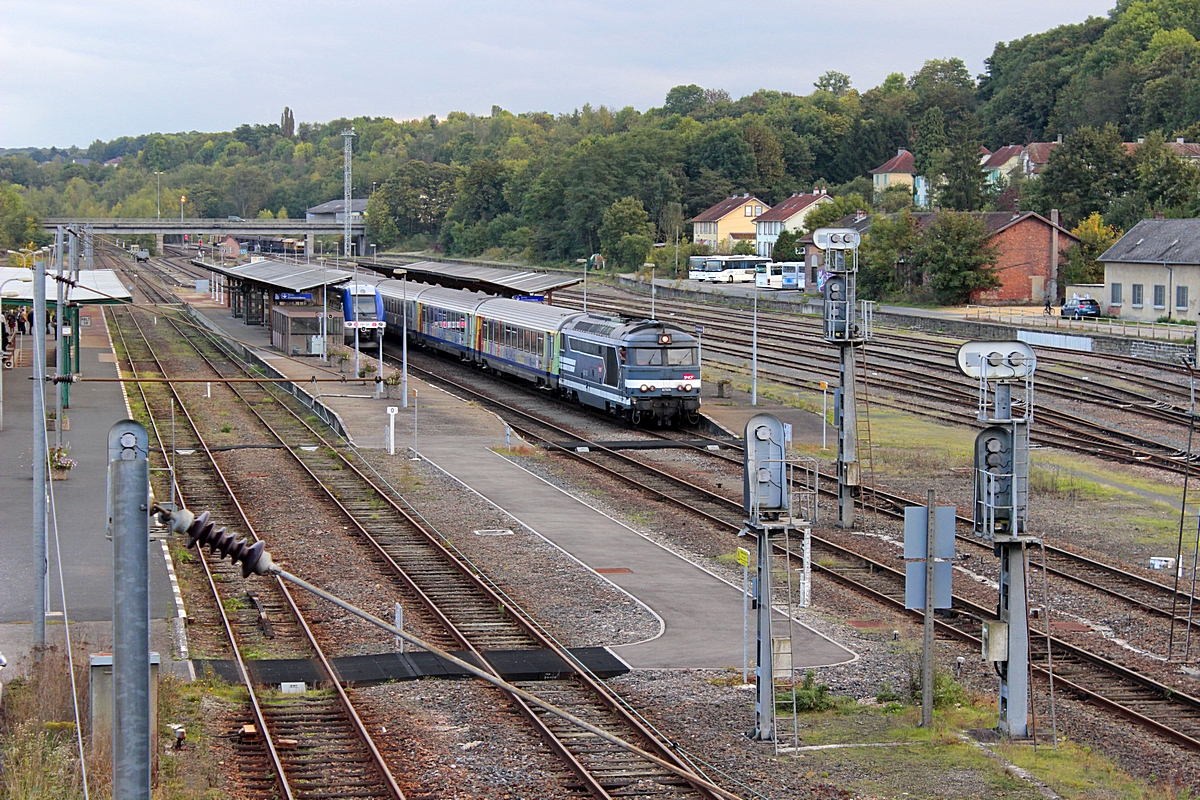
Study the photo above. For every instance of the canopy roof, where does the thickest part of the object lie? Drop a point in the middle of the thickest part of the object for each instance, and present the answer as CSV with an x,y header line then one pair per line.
x,y
96,287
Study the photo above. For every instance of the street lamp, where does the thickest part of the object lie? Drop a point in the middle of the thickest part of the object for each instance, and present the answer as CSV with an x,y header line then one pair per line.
x,y
402,274
3,356
158,200
374,260
754,353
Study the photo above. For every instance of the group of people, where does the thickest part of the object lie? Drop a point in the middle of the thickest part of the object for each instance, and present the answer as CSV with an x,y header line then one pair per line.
x,y
16,321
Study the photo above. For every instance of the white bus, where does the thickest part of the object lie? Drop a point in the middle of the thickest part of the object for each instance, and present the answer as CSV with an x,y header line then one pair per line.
x,y
793,275
728,269
769,276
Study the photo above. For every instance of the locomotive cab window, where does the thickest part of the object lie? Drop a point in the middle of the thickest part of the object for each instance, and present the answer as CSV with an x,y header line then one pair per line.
x,y
648,357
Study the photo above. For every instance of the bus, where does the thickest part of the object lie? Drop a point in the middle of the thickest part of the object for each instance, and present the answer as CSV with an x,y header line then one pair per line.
x,y
725,269
769,276
792,275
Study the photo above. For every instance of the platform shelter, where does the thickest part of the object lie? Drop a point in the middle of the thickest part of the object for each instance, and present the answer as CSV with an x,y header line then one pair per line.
x,y
502,282
251,291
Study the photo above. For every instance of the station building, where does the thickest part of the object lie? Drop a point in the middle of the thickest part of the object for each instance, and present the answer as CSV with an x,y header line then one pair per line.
x,y
1151,272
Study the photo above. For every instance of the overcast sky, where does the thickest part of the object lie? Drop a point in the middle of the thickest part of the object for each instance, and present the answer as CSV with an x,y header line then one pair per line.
x,y
72,72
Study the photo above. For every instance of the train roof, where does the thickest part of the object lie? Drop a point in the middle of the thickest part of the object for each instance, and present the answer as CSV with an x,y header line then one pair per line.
x,y
449,299
624,329
528,315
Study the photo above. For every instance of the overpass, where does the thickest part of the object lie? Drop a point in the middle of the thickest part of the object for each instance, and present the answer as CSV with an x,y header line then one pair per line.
x,y
215,227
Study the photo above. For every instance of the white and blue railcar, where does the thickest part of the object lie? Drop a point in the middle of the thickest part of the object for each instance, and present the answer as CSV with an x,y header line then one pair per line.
x,y
362,309
640,370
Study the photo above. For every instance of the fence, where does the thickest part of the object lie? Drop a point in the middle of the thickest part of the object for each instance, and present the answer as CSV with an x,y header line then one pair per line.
x,y
1165,331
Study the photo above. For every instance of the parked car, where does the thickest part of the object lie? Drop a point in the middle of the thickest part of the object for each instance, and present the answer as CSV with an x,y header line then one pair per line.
x,y
1078,308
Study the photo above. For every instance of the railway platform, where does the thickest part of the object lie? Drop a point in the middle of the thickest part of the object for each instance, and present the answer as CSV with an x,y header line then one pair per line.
x,y
78,510
700,614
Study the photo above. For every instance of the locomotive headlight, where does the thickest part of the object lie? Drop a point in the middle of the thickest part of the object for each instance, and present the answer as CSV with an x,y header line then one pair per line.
x,y
645,387
652,387
687,387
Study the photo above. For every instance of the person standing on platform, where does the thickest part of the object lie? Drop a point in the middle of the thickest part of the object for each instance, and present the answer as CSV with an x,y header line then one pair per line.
x,y
22,319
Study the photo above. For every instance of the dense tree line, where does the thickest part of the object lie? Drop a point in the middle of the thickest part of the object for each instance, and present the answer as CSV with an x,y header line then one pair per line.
x,y
556,188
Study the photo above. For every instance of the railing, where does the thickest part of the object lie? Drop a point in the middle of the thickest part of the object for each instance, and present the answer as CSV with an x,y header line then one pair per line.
x,y
1167,331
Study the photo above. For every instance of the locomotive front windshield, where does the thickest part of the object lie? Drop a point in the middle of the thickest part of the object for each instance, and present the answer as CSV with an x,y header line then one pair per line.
x,y
364,304
660,356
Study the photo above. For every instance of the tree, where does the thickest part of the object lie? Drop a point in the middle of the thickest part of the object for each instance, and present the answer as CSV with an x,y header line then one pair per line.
x,y
956,258
931,148
945,83
625,234
788,247
744,247
417,198
481,192
287,123
1084,174
836,83
1163,180
684,100
826,214
1094,238
965,179
886,252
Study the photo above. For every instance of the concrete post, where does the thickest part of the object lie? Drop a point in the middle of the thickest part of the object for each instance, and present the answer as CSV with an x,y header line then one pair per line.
x,y
927,644
129,491
39,453
309,243
158,243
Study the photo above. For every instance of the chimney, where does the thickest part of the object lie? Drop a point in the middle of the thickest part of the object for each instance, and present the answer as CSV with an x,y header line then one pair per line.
x,y
1059,139
900,151
1141,140
859,215
1054,215
1159,215
1178,140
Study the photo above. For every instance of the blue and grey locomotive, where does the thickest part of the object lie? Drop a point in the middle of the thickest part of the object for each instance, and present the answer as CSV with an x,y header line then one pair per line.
x,y
641,370
362,308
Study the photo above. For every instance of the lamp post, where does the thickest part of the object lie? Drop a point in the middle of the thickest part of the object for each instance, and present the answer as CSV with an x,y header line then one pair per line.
x,y
754,353
21,279
374,260
158,198
353,298
402,274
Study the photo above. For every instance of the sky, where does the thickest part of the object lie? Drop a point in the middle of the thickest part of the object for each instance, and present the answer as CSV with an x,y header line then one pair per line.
x,y
72,72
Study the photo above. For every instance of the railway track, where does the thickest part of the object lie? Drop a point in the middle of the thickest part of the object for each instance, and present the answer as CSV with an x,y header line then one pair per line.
x,y
301,747
908,383
473,613
1123,691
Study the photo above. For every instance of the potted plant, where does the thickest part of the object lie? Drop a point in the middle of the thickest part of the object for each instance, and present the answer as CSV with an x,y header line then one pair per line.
x,y
391,380
60,462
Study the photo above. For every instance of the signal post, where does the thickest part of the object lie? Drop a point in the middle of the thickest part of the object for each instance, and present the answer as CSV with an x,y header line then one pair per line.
x,y
1002,510
847,329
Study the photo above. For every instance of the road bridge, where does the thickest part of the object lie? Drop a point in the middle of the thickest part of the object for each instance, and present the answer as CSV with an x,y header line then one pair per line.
x,y
216,227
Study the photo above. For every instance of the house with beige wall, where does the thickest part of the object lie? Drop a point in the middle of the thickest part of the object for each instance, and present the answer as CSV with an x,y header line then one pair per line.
x,y
1153,271
789,215
728,222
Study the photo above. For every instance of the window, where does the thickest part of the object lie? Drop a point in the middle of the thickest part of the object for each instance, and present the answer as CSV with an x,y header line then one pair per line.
x,y
757,210
647,357
749,211
1181,298
1116,294
1160,296
1135,295
680,356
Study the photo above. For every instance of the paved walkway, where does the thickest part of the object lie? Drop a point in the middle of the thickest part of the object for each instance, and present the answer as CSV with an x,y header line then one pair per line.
x,y
79,504
701,614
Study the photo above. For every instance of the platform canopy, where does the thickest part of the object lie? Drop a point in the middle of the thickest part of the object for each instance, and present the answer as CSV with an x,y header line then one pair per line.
x,y
281,275
505,282
97,287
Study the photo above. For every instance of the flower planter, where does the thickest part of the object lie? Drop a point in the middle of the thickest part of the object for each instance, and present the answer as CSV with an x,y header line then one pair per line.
x,y
57,475
52,424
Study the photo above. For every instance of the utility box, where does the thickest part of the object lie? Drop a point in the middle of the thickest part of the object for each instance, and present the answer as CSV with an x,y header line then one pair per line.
x,y
781,657
101,684
201,285
995,641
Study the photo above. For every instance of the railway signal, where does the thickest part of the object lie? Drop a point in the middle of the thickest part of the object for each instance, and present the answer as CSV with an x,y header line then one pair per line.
x,y
847,329
1002,509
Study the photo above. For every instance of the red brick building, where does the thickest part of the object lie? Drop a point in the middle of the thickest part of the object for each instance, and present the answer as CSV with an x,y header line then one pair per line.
x,y
1029,250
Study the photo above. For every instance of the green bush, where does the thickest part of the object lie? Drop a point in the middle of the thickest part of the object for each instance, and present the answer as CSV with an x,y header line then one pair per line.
x,y
809,696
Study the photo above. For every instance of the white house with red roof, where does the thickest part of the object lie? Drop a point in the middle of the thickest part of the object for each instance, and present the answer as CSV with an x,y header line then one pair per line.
x,y
789,215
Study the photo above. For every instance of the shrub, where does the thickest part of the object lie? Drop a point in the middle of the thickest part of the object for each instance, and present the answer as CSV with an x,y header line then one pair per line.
x,y
809,696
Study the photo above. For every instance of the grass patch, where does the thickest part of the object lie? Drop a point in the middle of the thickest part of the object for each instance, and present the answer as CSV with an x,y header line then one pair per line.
x,y
226,428
1075,772
522,450
232,604
1053,481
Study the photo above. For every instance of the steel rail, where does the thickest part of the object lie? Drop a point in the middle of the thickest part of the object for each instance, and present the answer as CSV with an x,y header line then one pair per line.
x,y
590,781
385,773
875,567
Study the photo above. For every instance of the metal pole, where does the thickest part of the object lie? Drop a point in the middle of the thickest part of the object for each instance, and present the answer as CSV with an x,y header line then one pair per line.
x,y
347,138
745,622
67,241
824,413
586,266
325,322
404,343
415,456
764,675
379,378
353,298
652,294
847,440
754,354
129,488
39,454
927,644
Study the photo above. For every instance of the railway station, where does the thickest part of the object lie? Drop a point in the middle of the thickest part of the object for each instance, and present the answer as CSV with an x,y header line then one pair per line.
x,y
630,544
490,280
